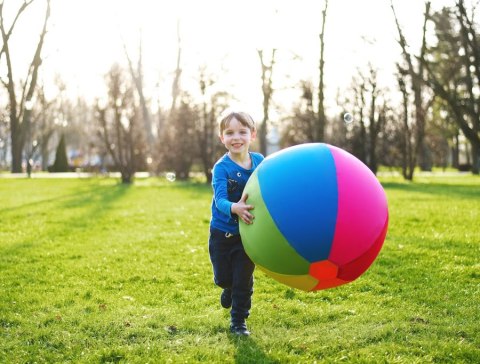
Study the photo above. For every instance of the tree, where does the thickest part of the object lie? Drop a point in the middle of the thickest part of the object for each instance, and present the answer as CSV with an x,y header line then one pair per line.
x,y
376,120
358,140
176,89
206,125
19,113
119,119
61,159
319,134
300,128
445,131
137,76
44,127
267,92
421,102
308,124
369,115
51,116
206,129
454,71
389,148
176,149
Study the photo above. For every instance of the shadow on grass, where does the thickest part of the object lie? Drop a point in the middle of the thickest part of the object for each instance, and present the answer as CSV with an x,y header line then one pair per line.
x,y
95,201
75,195
247,351
460,191
101,198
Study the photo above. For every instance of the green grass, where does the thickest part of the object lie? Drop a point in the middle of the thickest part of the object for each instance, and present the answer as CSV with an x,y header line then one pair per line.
x,y
96,272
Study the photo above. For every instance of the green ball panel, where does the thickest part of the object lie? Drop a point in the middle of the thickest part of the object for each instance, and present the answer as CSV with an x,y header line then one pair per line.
x,y
304,282
263,242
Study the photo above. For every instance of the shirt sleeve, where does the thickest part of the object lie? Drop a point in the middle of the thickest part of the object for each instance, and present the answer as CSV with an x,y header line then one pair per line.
x,y
259,158
220,192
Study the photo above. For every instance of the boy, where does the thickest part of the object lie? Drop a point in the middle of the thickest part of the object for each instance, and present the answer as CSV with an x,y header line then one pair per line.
x,y
232,268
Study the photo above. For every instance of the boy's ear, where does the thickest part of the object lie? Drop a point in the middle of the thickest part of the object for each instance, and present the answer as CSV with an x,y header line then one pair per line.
x,y
254,134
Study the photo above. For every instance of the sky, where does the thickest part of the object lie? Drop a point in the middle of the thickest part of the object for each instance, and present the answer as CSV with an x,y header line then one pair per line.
x,y
87,36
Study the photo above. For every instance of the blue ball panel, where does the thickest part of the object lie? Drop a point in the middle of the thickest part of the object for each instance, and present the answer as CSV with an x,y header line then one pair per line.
x,y
303,178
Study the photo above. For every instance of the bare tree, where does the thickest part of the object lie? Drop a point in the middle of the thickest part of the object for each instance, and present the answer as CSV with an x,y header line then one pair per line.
x,y
119,120
308,124
359,139
416,74
267,91
375,121
45,127
178,130
137,76
321,118
178,72
176,152
300,127
406,144
207,131
19,114
366,100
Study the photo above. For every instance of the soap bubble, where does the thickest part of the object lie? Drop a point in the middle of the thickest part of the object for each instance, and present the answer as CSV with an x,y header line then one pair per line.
x,y
347,117
170,176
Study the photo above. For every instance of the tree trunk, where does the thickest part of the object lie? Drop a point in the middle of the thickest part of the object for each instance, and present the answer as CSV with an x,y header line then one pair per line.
x,y
372,151
16,150
321,118
455,152
267,90
475,158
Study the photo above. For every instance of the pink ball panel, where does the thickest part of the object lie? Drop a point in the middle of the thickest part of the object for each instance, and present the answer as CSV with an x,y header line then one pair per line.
x,y
362,209
354,269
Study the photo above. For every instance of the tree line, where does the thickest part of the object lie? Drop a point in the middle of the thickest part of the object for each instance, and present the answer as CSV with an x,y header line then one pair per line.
x,y
429,119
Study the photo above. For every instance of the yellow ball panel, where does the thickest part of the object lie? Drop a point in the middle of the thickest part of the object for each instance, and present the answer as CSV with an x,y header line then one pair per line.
x,y
304,282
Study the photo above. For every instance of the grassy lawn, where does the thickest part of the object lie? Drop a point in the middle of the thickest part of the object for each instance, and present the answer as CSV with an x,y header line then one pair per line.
x,y
96,272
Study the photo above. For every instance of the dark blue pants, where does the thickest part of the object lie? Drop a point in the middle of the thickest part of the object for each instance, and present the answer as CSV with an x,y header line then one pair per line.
x,y
232,268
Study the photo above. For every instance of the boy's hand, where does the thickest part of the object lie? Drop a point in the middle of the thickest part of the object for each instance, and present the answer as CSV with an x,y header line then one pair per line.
x,y
241,209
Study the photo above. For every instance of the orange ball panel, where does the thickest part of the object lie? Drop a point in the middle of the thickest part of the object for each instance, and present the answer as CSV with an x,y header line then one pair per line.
x,y
323,270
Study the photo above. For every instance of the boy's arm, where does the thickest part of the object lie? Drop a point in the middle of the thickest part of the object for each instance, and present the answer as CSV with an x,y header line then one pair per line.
x,y
220,192
240,208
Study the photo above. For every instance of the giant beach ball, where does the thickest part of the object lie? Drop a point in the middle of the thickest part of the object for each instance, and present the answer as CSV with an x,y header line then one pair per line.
x,y
321,217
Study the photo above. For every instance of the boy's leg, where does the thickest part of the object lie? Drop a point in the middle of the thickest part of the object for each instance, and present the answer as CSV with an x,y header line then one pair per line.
x,y
242,285
219,250
226,298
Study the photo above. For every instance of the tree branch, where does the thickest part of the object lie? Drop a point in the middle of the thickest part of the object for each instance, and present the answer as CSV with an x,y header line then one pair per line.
x,y
9,33
32,73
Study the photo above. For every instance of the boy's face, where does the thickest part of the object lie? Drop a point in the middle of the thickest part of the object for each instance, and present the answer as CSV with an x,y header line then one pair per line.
x,y
236,137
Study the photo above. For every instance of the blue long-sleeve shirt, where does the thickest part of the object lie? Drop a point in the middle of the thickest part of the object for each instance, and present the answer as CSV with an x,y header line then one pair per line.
x,y
228,181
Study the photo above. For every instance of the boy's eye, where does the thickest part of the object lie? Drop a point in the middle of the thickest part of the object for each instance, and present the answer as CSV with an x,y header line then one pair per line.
x,y
231,132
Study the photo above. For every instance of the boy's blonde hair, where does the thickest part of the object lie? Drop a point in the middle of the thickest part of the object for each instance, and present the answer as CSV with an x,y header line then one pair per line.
x,y
244,119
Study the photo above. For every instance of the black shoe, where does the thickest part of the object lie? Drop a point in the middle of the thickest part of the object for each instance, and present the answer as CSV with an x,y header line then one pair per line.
x,y
239,329
226,298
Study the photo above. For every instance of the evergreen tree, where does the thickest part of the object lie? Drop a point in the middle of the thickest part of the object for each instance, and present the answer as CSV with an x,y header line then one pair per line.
x,y
61,160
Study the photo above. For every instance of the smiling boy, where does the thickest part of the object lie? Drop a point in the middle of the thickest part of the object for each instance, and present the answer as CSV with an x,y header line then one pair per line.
x,y
232,268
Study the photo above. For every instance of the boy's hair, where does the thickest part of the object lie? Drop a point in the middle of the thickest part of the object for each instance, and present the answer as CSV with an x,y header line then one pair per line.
x,y
244,119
